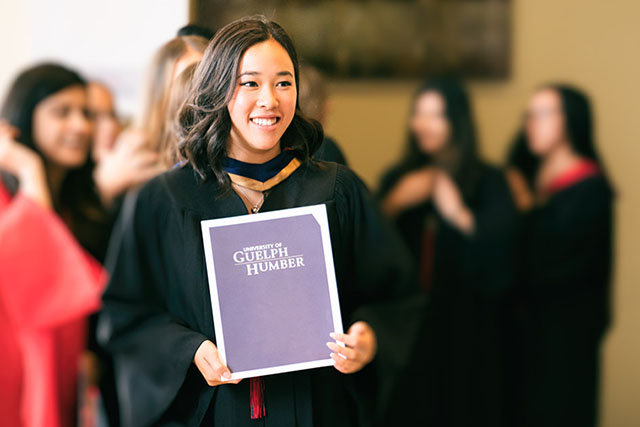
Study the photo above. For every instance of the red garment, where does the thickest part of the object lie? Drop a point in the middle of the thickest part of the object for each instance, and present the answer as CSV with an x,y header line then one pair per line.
x,y
48,286
580,172
427,254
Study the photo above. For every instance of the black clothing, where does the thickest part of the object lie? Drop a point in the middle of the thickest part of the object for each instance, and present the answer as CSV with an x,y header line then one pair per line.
x,y
565,276
456,377
157,307
330,152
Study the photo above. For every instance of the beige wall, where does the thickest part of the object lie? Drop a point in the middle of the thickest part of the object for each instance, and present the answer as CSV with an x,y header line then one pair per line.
x,y
592,43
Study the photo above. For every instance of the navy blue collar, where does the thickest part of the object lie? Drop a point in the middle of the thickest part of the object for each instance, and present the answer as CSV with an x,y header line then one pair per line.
x,y
258,171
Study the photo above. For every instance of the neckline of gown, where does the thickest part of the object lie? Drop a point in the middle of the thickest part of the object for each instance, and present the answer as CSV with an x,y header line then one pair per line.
x,y
261,176
578,173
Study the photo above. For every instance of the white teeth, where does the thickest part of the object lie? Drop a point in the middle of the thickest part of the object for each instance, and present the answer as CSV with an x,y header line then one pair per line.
x,y
265,122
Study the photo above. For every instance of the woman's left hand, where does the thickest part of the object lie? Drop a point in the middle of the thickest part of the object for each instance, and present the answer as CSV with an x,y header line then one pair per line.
x,y
449,202
360,348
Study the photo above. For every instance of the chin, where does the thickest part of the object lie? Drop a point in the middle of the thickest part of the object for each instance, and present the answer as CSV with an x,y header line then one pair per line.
x,y
72,161
265,145
539,151
431,149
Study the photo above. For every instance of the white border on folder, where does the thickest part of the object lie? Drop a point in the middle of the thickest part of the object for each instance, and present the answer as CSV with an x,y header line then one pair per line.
x,y
319,213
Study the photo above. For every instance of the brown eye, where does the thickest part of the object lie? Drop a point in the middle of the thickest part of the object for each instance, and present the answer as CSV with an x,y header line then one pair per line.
x,y
62,111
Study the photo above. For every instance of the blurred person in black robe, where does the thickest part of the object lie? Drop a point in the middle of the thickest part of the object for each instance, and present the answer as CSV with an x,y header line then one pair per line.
x,y
157,317
458,219
559,182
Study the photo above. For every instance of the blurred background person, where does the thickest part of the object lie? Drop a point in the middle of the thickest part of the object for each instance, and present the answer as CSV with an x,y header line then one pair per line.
x,y
313,97
457,217
106,126
169,155
52,229
139,153
121,158
168,62
557,176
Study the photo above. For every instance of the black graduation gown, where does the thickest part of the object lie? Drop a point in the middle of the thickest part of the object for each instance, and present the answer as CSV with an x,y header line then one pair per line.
x,y
456,377
565,278
329,151
157,307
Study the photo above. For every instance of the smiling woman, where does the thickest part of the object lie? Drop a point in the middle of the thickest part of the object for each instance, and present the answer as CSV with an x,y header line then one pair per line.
x,y
263,104
248,149
256,103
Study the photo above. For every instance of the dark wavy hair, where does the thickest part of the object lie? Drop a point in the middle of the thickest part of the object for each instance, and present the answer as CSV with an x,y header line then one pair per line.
x,y
78,202
204,123
576,109
462,141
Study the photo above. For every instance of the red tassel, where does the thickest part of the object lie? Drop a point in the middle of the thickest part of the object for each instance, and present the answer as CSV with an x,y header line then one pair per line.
x,y
256,392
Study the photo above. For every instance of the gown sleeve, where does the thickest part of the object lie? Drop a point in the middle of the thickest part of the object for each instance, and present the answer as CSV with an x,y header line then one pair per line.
x,y
486,258
381,267
152,349
46,278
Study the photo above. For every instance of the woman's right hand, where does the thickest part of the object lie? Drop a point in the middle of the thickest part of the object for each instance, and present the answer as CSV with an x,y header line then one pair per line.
x,y
207,359
411,190
129,164
24,164
520,190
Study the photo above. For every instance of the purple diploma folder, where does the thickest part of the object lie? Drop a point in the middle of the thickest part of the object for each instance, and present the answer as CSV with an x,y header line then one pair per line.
x,y
273,290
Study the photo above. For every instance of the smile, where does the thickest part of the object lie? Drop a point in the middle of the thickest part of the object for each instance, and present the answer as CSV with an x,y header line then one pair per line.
x,y
260,121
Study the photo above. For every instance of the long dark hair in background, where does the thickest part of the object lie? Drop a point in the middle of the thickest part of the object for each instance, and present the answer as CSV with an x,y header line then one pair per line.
x,y
204,121
78,203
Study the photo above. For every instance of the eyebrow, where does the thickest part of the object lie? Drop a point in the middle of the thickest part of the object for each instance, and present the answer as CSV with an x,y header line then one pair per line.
x,y
256,73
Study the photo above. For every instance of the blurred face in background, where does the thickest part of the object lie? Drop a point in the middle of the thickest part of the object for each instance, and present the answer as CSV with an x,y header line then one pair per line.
x,y
62,128
429,123
264,101
544,122
106,125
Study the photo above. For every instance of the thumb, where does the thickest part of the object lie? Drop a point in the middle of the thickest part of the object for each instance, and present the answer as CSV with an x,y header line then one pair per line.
x,y
358,328
217,365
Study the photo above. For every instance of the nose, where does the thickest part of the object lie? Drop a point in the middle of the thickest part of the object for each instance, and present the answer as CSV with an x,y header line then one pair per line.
x,y
268,98
79,122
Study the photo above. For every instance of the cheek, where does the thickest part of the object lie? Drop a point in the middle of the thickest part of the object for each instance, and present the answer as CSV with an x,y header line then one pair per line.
x,y
431,132
288,107
288,103
46,132
239,110
416,126
543,134
104,131
441,130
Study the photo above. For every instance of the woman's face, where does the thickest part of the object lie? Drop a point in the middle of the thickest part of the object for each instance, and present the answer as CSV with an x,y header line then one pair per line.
x,y
106,126
62,129
429,123
264,101
544,122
